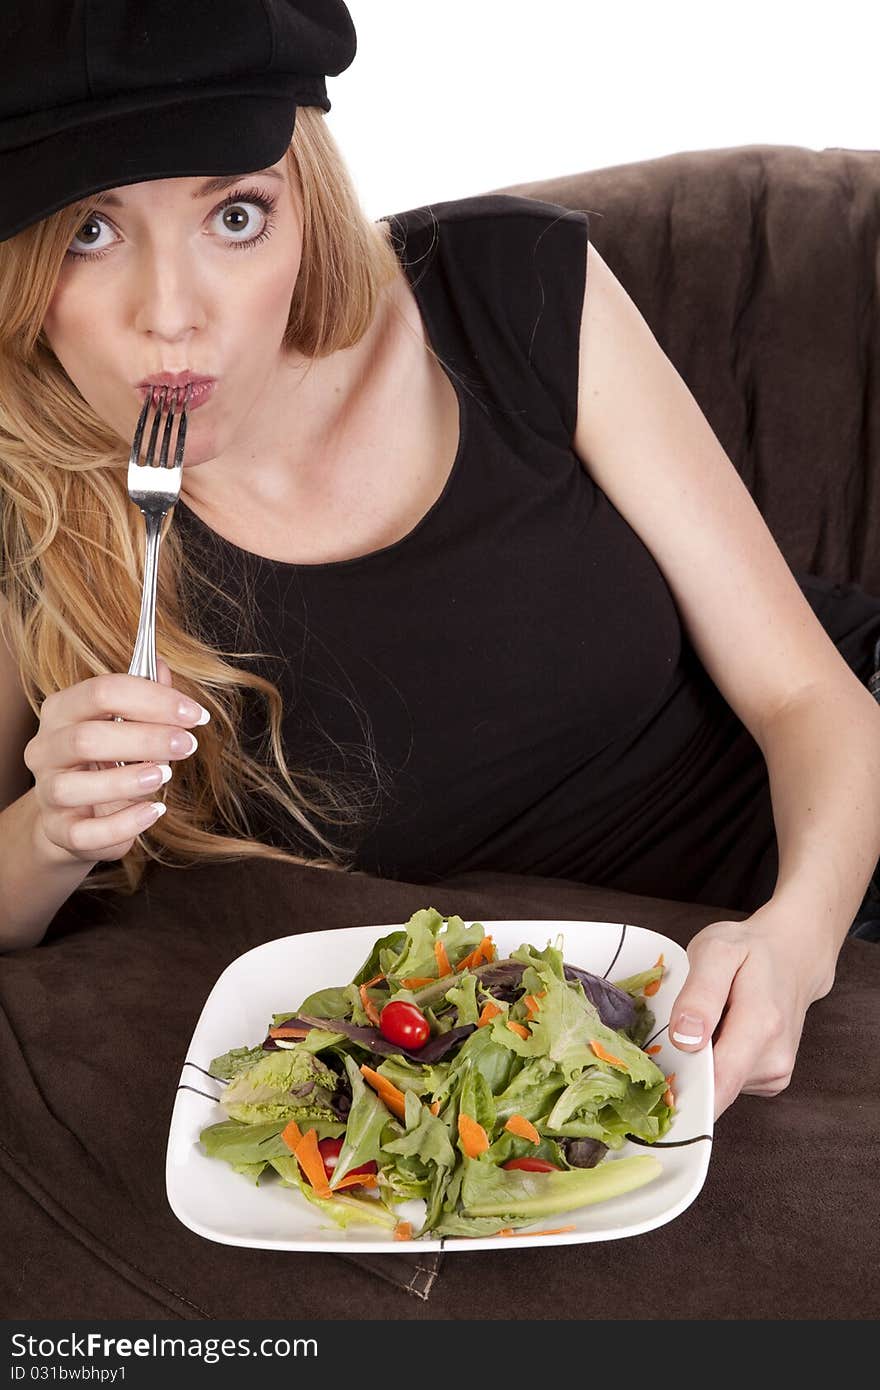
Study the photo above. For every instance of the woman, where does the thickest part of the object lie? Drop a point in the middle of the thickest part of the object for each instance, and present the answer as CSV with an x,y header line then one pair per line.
x,y
418,520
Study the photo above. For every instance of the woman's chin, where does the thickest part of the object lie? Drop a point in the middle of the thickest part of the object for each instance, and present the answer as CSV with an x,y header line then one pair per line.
x,y
202,446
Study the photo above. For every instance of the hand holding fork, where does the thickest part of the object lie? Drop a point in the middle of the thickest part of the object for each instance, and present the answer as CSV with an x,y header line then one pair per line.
x,y
154,488
87,810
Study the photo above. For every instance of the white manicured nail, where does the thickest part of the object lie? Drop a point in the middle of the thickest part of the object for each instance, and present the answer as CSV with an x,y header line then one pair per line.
x,y
688,1030
166,773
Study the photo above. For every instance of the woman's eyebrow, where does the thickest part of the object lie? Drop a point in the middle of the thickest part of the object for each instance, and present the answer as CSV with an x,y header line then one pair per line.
x,y
204,190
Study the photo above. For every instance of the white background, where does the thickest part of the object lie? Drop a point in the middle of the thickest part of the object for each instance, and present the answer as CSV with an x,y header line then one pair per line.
x,y
447,98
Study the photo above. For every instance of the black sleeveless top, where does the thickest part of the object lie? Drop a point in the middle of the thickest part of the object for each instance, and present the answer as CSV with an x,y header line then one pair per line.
x,y
515,664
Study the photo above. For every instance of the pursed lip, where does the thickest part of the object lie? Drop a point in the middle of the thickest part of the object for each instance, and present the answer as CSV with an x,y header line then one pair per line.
x,y
187,388
175,379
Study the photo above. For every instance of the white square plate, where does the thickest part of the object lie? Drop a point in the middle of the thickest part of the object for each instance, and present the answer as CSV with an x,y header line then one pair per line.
x,y
209,1197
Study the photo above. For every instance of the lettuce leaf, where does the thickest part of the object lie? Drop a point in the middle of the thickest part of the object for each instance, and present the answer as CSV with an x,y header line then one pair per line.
x,y
239,1059
567,1022
425,1137
423,930
343,1207
490,1191
464,996
247,1146
326,1003
265,1091
367,1120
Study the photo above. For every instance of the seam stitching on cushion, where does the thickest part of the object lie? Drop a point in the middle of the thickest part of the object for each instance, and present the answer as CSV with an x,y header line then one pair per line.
x,y
74,1232
425,1289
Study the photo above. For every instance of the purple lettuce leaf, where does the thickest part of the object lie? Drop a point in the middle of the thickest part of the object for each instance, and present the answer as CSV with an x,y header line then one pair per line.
x,y
616,1008
371,1039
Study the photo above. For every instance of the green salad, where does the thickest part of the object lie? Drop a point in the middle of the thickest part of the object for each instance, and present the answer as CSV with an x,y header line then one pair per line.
x,y
493,1091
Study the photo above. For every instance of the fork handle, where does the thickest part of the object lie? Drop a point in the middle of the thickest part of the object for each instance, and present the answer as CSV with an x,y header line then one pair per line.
x,y
143,661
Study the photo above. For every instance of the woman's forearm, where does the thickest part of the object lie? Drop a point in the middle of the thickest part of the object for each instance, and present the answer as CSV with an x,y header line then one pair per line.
x,y
823,759
36,878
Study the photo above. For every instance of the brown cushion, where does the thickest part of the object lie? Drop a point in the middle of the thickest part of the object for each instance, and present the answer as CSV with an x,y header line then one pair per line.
x,y
94,1025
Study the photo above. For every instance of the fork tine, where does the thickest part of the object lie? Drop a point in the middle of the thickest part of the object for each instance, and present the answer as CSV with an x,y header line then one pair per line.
x,y
166,434
139,429
181,429
154,432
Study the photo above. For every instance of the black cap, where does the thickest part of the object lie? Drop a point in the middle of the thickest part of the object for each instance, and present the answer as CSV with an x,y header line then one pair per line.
x,y
98,93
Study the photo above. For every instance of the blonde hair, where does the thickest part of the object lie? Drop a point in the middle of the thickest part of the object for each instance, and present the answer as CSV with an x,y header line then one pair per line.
x,y
72,545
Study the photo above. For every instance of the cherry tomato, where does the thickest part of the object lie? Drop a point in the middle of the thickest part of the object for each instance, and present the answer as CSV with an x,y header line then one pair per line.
x,y
532,1165
404,1024
330,1149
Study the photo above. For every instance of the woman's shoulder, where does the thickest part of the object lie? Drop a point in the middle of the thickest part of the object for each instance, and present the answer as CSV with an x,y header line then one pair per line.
x,y
525,252
519,261
509,209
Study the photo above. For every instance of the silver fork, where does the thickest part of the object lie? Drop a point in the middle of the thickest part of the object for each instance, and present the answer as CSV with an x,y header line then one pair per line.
x,y
154,488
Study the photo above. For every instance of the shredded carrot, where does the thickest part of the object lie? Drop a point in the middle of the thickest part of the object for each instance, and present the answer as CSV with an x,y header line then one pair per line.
x,y
369,1007
654,985
288,1032
434,1107
386,1090
355,1180
556,1231
442,959
540,994
485,951
475,1140
652,1051
403,1230
505,1231
520,1029
395,1105
292,1135
375,981
376,1079
531,1004
668,1096
604,1055
489,1012
308,1156
416,981
523,1128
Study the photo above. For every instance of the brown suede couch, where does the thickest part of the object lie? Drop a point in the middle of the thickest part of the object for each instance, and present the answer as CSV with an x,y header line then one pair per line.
x,y
756,268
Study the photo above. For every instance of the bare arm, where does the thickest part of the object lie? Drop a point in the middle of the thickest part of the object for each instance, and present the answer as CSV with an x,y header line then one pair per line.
x,y
36,877
646,442
823,759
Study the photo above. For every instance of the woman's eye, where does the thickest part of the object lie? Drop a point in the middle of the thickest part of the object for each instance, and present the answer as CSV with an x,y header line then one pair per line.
x,y
243,220
88,236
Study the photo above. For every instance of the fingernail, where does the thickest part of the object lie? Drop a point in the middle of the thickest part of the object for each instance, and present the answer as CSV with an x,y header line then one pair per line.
x,y
155,776
192,712
688,1029
183,743
151,813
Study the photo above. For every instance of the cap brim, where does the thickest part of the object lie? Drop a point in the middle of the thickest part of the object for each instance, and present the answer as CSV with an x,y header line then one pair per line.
x,y
212,135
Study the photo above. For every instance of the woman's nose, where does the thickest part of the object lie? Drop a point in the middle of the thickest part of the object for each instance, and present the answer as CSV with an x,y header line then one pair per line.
x,y
168,301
